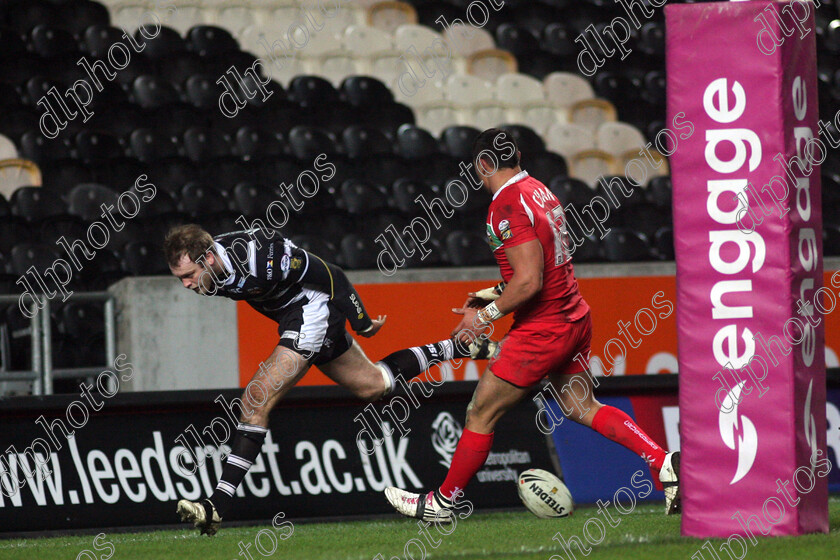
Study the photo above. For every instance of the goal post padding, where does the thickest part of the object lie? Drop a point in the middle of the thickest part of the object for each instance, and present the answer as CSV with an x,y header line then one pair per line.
x,y
750,415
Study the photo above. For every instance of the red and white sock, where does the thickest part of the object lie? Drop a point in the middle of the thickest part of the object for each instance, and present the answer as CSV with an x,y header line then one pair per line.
x,y
614,424
473,449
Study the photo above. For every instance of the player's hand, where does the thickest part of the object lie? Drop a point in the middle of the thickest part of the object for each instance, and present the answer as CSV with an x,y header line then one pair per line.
x,y
467,330
374,328
474,300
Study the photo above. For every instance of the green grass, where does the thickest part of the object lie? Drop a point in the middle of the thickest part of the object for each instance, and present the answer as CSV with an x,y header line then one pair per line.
x,y
642,534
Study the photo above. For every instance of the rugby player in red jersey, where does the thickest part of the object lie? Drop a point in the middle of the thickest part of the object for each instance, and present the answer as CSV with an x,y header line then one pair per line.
x,y
552,326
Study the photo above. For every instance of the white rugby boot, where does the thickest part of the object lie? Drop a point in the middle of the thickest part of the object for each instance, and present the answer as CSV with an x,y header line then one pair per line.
x,y
429,507
202,515
669,476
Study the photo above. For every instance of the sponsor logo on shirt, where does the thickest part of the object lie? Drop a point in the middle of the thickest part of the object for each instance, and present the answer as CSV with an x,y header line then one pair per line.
x,y
492,240
504,229
296,263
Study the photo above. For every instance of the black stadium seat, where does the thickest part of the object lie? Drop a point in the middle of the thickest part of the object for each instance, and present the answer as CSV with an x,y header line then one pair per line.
x,y
50,42
365,91
143,258
84,201
307,142
25,255
312,91
62,175
360,197
148,145
165,44
23,16
5,208
151,92
12,232
515,39
459,140
254,142
414,142
11,42
79,15
97,39
571,191
358,251
200,200
178,67
526,139
96,147
624,245
252,201
38,148
203,144
34,204
544,166
209,40
467,248
362,141
203,92
559,41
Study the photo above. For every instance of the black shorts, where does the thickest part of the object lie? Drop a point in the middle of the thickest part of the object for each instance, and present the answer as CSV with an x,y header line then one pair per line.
x,y
314,328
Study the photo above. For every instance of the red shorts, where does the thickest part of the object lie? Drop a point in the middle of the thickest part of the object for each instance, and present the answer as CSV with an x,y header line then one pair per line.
x,y
530,351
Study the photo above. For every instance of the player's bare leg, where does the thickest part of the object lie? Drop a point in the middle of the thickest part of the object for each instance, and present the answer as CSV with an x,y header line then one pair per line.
x,y
276,376
578,403
492,398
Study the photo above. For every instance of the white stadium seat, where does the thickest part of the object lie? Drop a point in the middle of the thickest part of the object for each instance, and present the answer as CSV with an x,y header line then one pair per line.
x,y
569,139
466,39
516,90
566,89
8,150
618,138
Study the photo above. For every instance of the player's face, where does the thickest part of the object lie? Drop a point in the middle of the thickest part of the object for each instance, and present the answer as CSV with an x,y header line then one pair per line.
x,y
195,276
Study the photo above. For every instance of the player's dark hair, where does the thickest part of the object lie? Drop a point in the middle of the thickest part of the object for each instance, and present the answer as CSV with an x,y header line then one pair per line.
x,y
189,239
497,147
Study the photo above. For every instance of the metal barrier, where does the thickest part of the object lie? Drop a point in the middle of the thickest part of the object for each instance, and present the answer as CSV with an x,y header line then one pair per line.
x,y
42,373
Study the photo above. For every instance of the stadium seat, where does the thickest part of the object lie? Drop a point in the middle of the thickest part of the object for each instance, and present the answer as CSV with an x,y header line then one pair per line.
x,y
5,211
96,147
308,142
126,15
85,200
652,39
467,248
592,113
8,150
589,165
388,16
152,92
35,205
659,192
50,42
202,91
200,200
79,15
414,143
143,258
166,43
544,166
120,173
516,39
565,89
203,144
187,17
663,243
149,145
15,230
360,197
559,40
51,229
533,16
405,192
466,39
209,40
458,141
252,200
653,90
624,245
362,141
62,175
11,42
365,92
569,139
467,92
255,142
642,169
571,191
490,64
617,138
590,250
359,252
312,91
235,18
16,173
526,139
26,255
15,120
321,247
175,118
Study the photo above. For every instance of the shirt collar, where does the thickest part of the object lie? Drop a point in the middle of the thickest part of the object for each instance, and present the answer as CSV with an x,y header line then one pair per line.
x,y
228,266
515,179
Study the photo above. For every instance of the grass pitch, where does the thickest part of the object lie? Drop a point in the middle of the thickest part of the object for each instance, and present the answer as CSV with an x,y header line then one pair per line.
x,y
643,534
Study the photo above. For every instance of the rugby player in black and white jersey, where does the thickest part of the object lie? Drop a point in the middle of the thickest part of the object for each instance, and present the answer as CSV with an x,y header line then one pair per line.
x,y
310,299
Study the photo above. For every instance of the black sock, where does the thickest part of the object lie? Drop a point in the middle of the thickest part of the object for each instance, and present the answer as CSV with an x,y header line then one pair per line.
x,y
246,446
411,362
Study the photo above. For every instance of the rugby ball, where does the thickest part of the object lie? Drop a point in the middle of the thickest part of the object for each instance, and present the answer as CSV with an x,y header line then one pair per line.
x,y
544,494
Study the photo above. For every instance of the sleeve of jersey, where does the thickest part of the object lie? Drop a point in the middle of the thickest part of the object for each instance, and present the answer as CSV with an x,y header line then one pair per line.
x,y
513,223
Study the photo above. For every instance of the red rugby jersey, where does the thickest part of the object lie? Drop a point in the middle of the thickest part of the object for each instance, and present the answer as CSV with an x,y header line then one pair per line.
x,y
522,210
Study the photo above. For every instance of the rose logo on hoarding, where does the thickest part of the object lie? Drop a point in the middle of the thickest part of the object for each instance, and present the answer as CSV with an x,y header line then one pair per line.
x,y
445,434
